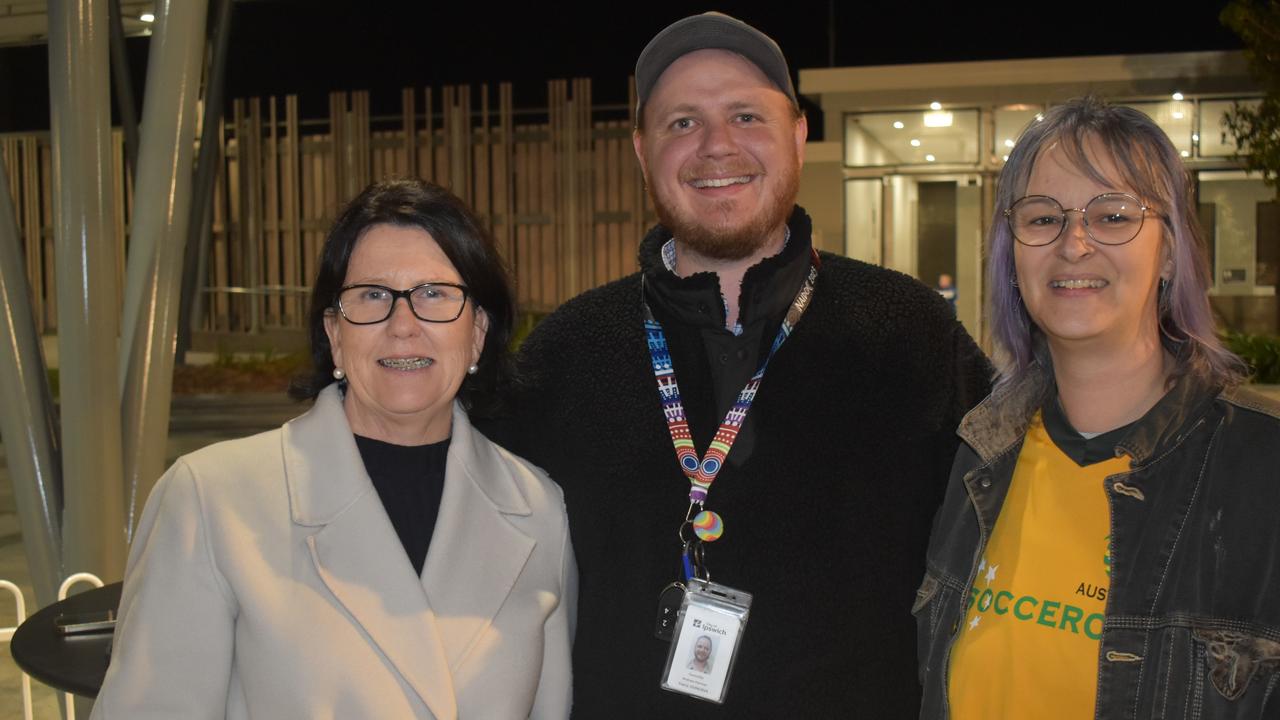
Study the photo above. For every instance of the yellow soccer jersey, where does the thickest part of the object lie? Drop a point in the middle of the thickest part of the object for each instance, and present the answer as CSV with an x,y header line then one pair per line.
x,y
1033,618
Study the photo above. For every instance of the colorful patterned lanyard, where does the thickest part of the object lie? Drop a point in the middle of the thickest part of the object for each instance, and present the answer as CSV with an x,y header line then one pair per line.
x,y
707,525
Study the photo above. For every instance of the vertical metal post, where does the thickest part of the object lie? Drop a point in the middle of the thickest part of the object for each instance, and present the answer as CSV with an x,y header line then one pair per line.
x,y
159,236
197,313
831,33
79,103
198,231
124,87
167,74
26,418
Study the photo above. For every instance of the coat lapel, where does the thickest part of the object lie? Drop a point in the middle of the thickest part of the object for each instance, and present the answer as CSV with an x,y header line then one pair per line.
x,y
476,554
358,554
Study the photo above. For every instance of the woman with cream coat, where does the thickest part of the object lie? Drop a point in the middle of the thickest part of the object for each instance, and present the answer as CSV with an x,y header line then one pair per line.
x,y
283,575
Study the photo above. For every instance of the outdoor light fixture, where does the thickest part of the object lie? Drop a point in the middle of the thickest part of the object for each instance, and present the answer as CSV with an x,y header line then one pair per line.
x,y
915,142
937,119
897,125
1177,96
935,105
147,17
930,158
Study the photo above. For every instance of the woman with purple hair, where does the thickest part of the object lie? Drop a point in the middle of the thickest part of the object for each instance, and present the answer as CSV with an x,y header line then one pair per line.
x,y
1109,543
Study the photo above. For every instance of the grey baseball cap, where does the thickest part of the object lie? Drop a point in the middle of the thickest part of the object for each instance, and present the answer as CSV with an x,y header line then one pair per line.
x,y
710,31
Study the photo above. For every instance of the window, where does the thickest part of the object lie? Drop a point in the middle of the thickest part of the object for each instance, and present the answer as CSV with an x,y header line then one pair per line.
x,y
1010,122
1215,139
1175,117
911,137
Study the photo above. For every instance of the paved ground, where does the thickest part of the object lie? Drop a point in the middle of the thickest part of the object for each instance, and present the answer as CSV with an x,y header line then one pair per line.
x,y
196,422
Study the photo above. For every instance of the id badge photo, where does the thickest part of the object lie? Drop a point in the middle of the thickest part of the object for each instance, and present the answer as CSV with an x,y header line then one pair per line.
x,y
708,632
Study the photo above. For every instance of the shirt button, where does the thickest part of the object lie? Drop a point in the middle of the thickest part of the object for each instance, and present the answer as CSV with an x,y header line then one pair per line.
x,y
985,482
742,354
702,308
724,358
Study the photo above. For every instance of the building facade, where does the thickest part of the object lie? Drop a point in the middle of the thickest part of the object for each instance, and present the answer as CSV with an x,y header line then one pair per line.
x,y
906,175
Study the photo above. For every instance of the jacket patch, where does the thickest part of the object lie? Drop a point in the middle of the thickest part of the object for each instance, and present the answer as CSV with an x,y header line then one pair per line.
x,y
1235,658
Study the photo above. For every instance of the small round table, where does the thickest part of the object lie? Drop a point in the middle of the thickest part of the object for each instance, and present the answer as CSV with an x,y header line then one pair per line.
x,y
71,663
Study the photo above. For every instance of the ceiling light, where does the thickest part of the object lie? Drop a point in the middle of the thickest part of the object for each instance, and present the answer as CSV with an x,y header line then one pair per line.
x,y
915,142
897,125
1005,158
1177,115
1008,143
1177,96
1186,153
937,119
147,17
1039,117
930,158
935,106
1195,137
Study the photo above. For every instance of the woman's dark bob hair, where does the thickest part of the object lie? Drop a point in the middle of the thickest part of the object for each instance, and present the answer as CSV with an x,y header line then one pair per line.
x,y
471,249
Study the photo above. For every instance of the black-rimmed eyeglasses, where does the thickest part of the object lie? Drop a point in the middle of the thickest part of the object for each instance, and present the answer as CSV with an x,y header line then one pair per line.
x,y
429,302
1110,219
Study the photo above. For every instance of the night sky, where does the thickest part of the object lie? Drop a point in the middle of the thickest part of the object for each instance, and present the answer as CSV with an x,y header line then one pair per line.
x,y
312,47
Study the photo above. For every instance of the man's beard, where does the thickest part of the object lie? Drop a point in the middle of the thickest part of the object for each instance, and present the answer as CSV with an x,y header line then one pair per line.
x,y
723,241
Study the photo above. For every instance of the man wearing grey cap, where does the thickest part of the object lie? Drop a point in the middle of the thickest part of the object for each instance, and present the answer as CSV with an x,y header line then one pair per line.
x,y
744,407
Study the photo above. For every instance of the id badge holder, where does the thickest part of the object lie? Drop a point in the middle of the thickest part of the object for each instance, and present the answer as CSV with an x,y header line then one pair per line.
x,y
708,632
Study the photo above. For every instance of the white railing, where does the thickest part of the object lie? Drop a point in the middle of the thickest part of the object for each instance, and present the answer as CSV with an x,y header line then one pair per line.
x,y
79,577
6,635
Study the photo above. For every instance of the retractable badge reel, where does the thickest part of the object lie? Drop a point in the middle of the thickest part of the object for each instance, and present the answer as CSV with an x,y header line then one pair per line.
x,y
707,527
702,620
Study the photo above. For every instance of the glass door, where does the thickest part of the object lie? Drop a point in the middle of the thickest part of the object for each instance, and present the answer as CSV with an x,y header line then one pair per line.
x,y
927,226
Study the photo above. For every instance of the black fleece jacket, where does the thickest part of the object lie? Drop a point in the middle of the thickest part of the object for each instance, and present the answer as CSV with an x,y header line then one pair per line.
x,y
826,518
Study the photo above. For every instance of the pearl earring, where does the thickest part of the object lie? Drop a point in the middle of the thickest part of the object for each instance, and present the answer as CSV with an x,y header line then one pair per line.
x,y
338,374
473,369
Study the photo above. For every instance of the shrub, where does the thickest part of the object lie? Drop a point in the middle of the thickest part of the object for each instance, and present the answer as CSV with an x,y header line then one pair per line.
x,y
1260,352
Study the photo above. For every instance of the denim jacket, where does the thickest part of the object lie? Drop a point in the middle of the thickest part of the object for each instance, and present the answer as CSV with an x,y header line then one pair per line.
x,y
1192,624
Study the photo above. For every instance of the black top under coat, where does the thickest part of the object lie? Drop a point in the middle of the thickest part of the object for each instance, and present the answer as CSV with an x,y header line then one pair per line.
x,y
409,480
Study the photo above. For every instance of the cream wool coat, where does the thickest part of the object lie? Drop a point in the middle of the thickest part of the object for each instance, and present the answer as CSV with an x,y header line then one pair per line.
x,y
266,581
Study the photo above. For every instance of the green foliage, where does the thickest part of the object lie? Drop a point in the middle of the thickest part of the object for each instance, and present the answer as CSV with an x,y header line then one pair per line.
x,y
1257,128
224,358
525,323
269,372
1261,352
1257,133
269,360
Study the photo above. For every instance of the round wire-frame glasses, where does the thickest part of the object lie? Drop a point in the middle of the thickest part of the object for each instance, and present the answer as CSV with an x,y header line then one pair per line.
x,y
434,302
1110,219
